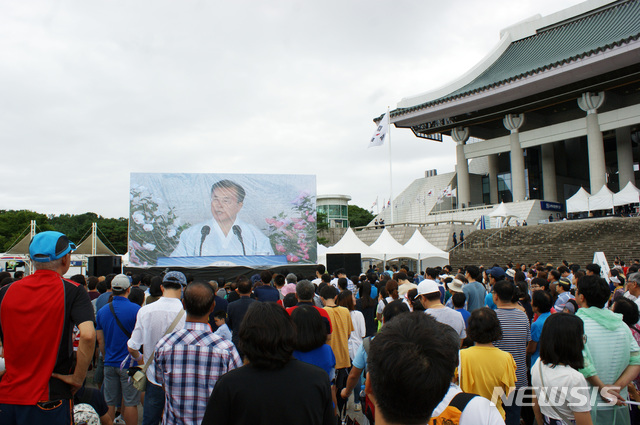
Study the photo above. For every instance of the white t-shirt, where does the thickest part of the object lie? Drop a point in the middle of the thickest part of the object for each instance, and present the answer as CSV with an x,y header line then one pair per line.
x,y
478,411
565,388
382,305
152,322
358,333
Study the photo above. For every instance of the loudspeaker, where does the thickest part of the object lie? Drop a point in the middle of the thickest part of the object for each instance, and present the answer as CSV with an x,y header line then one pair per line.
x,y
352,263
104,264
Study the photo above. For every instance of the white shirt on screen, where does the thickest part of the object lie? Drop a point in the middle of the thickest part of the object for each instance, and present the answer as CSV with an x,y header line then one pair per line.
x,y
216,243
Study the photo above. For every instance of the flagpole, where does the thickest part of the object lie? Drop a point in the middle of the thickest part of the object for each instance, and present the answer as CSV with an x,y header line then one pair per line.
x,y
390,168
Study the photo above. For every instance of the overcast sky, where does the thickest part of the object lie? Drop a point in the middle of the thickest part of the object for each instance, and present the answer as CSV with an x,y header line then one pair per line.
x,y
94,90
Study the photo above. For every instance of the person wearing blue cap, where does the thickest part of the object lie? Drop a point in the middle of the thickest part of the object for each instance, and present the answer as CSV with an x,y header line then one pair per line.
x,y
37,316
494,275
151,324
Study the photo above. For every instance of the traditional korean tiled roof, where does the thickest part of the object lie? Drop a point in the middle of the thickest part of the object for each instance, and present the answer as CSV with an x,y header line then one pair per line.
x,y
571,40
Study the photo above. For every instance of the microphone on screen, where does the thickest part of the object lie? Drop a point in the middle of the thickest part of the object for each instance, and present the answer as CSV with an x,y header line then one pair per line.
x,y
205,232
238,232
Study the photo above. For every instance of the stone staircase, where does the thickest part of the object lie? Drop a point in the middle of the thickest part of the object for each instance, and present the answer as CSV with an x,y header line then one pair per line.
x,y
438,235
574,241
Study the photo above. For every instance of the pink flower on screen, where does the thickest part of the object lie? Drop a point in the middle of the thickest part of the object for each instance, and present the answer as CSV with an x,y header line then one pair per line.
x,y
292,258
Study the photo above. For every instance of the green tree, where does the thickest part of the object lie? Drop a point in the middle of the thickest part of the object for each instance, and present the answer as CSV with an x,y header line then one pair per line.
x,y
14,225
359,216
111,231
75,226
322,224
115,231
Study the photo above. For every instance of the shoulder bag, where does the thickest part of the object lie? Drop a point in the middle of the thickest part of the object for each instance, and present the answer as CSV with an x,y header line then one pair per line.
x,y
139,374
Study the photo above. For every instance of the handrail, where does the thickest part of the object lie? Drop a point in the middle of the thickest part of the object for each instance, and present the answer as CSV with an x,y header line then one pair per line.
x,y
412,224
478,208
480,244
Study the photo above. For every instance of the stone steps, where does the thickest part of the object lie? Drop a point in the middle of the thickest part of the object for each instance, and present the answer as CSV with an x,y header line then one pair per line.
x,y
574,241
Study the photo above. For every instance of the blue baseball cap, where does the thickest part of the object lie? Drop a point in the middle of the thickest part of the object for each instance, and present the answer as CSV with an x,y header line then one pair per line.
x,y
497,273
50,246
175,277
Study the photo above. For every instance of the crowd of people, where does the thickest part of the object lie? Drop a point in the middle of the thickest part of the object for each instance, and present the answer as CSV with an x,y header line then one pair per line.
x,y
464,346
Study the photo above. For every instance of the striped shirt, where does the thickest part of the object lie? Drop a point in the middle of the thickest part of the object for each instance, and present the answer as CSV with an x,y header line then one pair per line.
x,y
188,364
516,334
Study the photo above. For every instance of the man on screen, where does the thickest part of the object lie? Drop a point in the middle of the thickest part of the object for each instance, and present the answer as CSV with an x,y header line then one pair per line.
x,y
225,234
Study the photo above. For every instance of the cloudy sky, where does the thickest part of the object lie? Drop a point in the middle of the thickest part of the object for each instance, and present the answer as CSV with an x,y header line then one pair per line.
x,y
94,90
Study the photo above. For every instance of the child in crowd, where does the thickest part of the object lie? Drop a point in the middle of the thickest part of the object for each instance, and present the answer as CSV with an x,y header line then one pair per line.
x,y
220,319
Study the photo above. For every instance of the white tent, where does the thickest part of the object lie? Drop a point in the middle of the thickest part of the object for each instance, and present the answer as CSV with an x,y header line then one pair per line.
x,y
427,253
603,200
629,195
351,244
578,202
502,214
391,248
322,254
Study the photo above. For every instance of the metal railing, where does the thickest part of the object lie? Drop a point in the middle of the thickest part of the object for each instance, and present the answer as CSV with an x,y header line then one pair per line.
x,y
413,224
466,209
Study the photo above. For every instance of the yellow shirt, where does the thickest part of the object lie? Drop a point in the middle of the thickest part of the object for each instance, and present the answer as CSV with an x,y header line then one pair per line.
x,y
484,368
342,328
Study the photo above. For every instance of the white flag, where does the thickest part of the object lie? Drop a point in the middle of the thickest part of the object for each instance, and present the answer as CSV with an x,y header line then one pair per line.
x,y
381,132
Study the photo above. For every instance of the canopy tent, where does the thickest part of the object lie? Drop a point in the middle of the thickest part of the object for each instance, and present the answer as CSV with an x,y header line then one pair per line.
x,y
629,195
578,202
501,211
21,248
322,254
85,247
502,214
427,252
603,200
351,244
391,248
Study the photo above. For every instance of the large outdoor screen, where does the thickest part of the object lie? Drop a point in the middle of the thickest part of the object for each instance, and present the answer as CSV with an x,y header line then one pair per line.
x,y
196,220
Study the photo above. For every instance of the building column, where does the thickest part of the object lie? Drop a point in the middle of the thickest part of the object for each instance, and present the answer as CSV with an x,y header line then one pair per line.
x,y
493,177
549,186
625,156
460,135
513,122
590,102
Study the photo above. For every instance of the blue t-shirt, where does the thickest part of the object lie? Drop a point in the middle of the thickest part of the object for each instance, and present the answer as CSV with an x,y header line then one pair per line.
x,y
374,293
536,330
475,293
115,340
360,359
322,357
102,300
465,315
488,301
